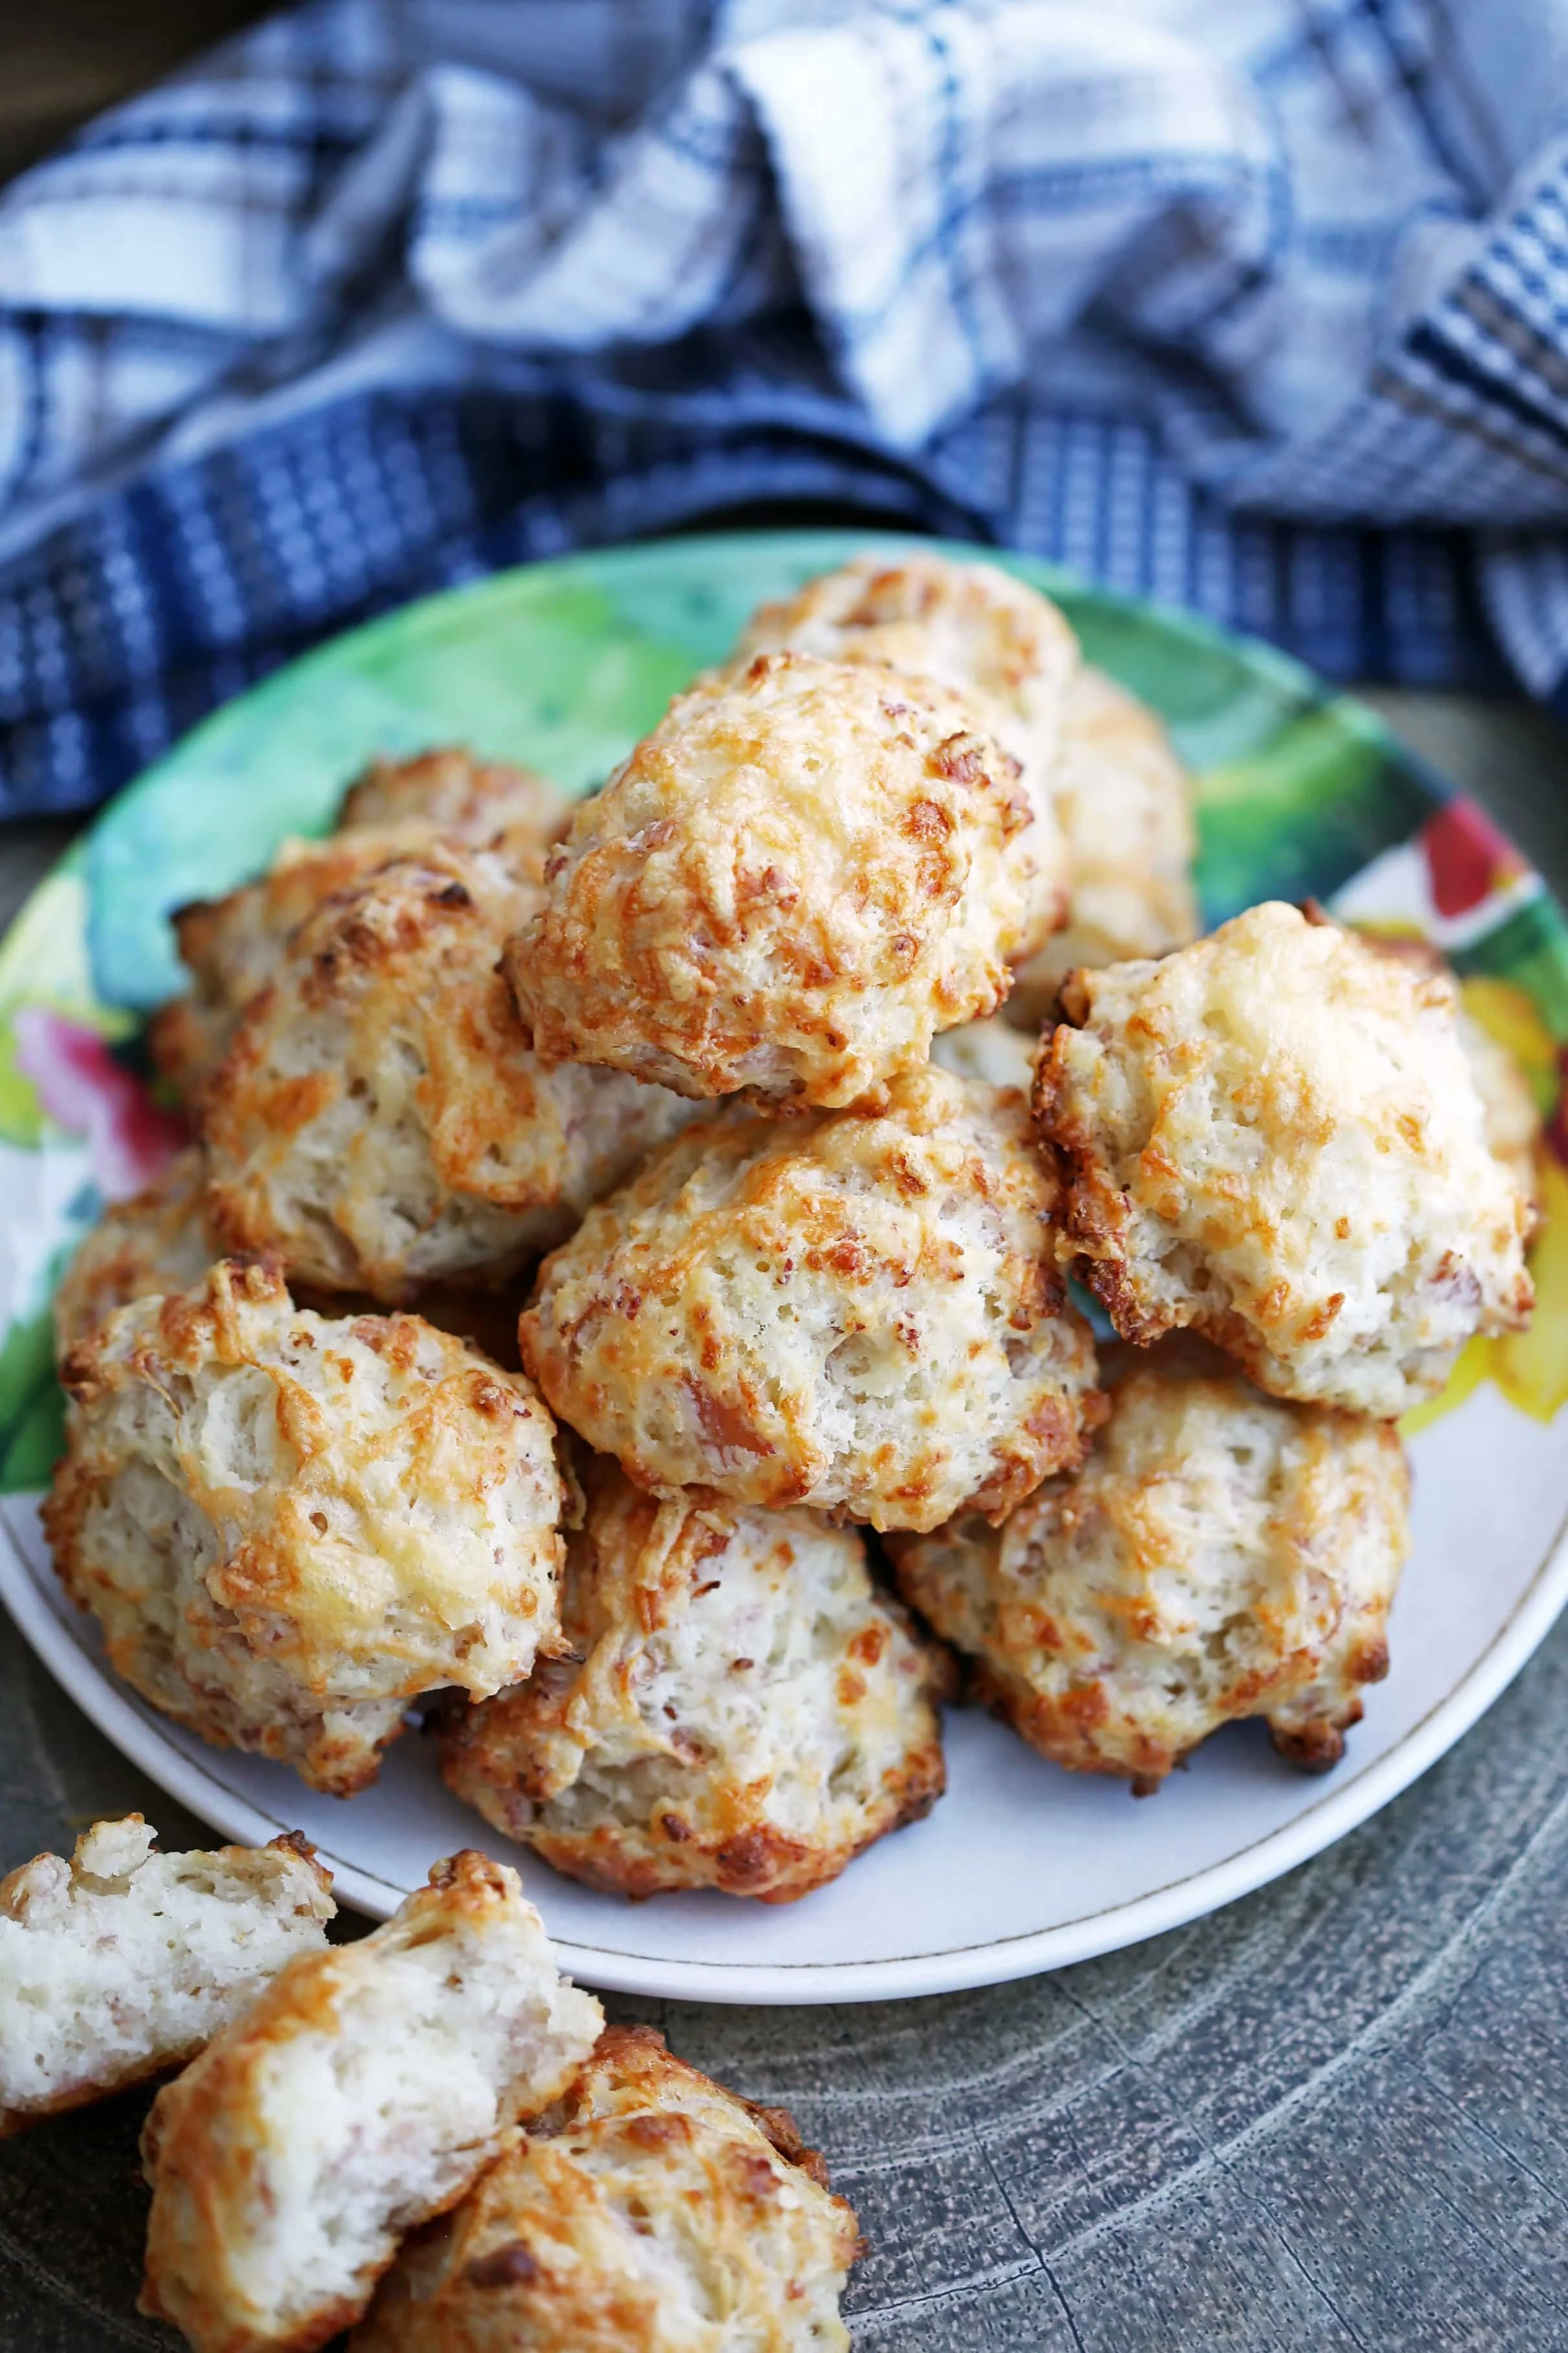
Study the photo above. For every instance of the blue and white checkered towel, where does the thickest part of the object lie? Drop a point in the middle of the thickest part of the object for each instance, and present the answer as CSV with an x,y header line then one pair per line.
x,y
1255,305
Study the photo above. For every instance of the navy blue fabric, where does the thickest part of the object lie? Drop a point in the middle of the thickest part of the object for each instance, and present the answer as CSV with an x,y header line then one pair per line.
x,y
128,623
1251,306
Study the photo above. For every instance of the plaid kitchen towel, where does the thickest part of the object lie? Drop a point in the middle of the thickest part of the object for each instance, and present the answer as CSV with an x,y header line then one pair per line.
x,y
1259,306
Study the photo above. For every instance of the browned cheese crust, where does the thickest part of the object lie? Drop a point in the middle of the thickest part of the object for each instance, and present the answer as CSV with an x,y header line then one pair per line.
x,y
1273,1137
287,1526
379,1122
159,1241
651,2211
232,946
451,793
739,1706
790,886
979,630
1512,1117
851,1313
1221,1553
361,2094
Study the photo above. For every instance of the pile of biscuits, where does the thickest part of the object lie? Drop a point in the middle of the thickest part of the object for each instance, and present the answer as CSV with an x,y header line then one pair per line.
x,y
621,1278
429,2136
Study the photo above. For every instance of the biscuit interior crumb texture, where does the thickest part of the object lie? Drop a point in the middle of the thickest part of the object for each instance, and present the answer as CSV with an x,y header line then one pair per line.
x,y
363,2093
651,2208
739,1708
159,1241
379,1121
827,1309
1220,1554
123,1962
992,637
232,946
287,1526
1273,1137
790,886
1125,803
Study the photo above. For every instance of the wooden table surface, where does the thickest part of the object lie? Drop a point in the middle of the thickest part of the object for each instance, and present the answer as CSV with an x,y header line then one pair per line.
x,y
63,61
1334,2116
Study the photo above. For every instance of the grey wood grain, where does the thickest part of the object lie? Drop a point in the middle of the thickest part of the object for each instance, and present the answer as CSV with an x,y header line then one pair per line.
x,y
1334,2116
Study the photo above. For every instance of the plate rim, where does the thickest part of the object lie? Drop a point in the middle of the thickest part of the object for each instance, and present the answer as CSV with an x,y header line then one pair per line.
x,y
999,1962
1287,670
135,1730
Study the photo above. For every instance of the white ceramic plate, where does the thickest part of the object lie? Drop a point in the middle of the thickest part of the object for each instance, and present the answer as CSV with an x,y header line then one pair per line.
x,y
1022,1867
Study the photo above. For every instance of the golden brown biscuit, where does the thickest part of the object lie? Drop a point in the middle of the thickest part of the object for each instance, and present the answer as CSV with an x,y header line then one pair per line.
x,y
159,1241
123,1962
1219,1554
790,886
649,2211
859,1314
976,628
233,946
739,1708
1125,803
288,1527
1273,1137
363,2093
379,1123
1512,1116
162,1240
450,792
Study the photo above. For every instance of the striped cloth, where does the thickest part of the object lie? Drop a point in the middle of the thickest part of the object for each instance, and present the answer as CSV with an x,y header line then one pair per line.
x,y
1258,306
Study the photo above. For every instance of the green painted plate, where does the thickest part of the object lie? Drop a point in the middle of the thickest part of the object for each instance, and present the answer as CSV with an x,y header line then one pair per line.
x,y
562,665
